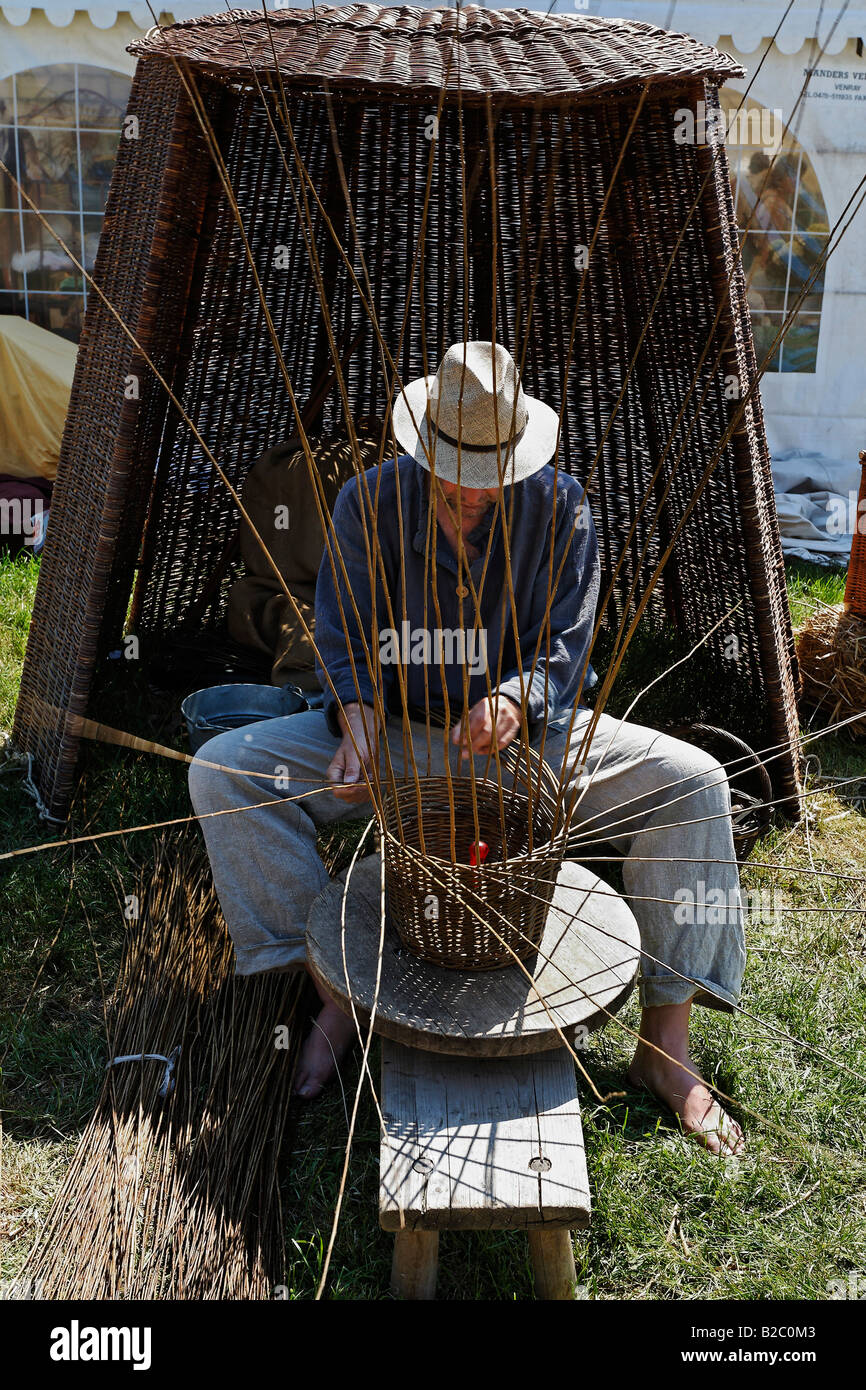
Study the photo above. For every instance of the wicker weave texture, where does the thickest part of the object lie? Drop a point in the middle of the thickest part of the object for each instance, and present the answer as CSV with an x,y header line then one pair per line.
x,y
173,262
552,174
410,52
755,505
855,586
443,908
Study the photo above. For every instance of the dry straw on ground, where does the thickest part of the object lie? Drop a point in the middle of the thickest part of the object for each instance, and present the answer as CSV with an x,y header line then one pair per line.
x,y
831,650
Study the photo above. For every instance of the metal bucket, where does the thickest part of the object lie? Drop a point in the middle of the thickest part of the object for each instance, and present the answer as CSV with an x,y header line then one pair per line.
x,y
220,707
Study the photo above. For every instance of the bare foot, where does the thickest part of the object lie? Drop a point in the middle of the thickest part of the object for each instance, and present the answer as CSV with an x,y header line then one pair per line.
x,y
330,1038
678,1084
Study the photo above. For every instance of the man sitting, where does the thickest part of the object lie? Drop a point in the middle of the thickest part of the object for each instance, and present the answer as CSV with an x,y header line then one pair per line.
x,y
492,540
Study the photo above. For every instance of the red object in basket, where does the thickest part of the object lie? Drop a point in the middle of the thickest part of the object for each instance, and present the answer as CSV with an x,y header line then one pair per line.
x,y
478,852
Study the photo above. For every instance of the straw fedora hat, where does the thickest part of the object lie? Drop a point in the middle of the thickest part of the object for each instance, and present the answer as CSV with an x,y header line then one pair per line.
x,y
459,411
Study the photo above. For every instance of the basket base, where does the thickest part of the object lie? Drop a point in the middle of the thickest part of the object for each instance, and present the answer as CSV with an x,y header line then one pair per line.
x,y
524,951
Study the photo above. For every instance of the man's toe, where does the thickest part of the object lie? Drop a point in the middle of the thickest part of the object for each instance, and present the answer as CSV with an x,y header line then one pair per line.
x,y
308,1090
309,1083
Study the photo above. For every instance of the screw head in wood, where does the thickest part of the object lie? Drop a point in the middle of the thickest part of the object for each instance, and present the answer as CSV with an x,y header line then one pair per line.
x,y
540,1164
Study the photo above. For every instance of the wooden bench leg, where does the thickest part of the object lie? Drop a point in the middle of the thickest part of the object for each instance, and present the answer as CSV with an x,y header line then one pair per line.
x,y
415,1264
552,1259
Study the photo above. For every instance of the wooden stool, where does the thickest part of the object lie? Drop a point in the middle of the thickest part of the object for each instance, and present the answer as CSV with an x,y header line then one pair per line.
x,y
479,1095
484,1144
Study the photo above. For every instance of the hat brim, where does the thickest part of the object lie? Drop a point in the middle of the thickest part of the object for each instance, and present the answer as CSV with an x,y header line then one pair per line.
x,y
534,449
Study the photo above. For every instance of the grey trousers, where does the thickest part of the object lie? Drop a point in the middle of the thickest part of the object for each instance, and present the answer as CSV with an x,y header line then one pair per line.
x,y
661,802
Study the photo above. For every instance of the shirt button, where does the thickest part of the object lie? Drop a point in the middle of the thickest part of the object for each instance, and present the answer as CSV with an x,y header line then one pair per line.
x,y
462,591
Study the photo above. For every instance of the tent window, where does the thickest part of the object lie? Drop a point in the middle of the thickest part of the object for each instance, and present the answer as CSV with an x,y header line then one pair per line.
x,y
784,229
59,128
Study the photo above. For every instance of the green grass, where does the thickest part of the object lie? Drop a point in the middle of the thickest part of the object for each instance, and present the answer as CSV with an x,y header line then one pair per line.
x,y
18,587
669,1222
811,584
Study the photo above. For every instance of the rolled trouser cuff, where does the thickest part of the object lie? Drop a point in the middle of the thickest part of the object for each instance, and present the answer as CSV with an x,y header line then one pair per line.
x,y
656,990
254,961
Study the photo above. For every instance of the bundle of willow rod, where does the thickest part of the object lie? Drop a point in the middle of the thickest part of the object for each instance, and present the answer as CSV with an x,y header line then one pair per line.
x,y
831,651
175,1196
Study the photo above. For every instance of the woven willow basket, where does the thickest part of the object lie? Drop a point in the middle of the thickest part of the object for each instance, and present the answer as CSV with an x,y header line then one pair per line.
x,y
433,897
855,585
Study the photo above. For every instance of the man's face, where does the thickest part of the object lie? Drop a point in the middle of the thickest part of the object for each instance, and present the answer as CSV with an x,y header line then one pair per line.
x,y
474,501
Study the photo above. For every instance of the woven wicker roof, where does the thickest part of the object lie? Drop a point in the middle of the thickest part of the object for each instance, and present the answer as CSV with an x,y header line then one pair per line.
x,y
407,51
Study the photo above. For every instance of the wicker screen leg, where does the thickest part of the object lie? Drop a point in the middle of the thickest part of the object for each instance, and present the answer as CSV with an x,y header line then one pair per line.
x,y
116,415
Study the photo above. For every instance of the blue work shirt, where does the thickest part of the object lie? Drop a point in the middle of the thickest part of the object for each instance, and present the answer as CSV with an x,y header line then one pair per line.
x,y
404,491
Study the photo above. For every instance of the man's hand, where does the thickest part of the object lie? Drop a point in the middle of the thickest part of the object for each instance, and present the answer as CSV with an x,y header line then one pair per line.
x,y
344,771
481,734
